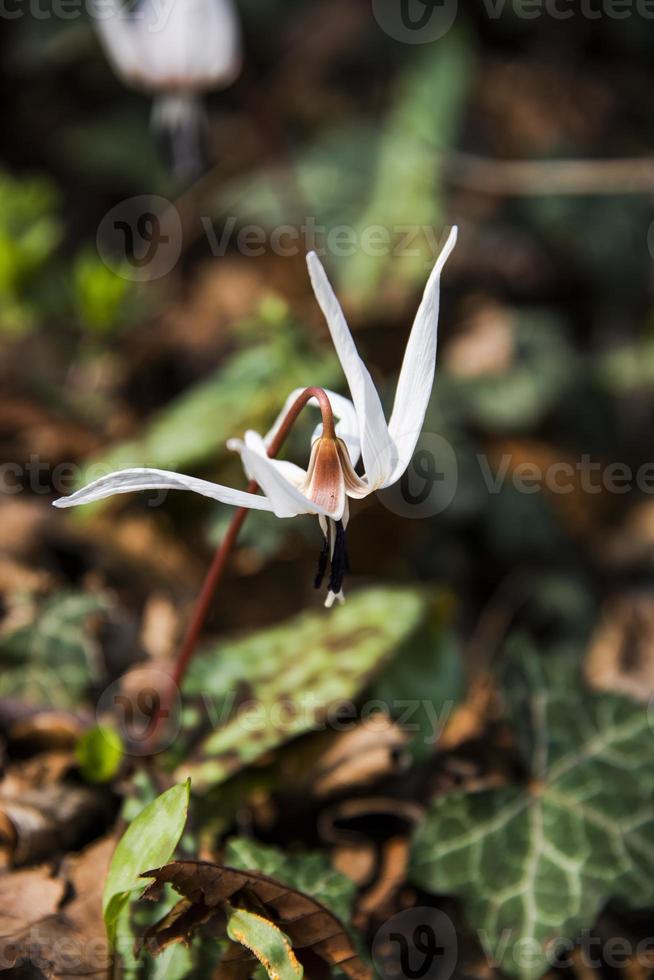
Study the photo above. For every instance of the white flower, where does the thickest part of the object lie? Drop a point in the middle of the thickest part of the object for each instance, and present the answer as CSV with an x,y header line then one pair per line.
x,y
361,432
171,46
175,49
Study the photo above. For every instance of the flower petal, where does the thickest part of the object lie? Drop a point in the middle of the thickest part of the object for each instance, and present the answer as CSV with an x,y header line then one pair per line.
x,y
116,30
125,481
191,44
376,444
194,43
417,373
285,498
290,471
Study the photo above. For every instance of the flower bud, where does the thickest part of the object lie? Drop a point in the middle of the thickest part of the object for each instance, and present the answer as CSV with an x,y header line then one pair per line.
x,y
175,49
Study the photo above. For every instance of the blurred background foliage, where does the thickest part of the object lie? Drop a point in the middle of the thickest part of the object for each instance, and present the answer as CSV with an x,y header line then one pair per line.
x,y
546,356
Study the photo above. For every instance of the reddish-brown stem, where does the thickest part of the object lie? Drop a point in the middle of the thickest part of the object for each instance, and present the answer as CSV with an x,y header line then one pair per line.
x,y
219,563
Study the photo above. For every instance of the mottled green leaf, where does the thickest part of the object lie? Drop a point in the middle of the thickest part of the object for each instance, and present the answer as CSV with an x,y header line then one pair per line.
x,y
99,754
275,684
268,943
308,871
51,660
421,687
536,863
148,842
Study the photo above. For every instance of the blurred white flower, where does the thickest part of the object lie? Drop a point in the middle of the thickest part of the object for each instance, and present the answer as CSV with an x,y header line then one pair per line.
x,y
175,50
361,432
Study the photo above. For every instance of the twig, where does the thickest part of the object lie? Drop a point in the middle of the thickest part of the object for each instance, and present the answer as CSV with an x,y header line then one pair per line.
x,y
223,551
509,178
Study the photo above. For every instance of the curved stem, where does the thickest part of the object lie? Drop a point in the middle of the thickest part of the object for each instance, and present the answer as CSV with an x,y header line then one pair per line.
x,y
219,563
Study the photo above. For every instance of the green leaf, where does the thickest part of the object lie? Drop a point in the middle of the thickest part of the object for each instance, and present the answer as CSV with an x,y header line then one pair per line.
x,y
30,231
628,368
308,871
292,674
52,660
405,195
148,842
99,754
533,864
268,943
101,295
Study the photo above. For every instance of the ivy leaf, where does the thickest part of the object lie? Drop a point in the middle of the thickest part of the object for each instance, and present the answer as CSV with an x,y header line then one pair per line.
x,y
534,865
268,943
149,840
308,871
291,675
51,660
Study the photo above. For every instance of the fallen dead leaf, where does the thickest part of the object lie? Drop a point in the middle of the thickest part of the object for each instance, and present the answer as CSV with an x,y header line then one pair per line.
x,y
67,939
390,878
620,656
359,757
43,814
206,888
26,897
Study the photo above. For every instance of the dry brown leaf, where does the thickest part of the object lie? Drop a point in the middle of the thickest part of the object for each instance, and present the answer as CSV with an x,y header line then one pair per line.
x,y
31,429
355,861
359,757
159,627
22,521
484,345
620,657
633,541
139,541
207,887
392,875
27,896
65,937
42,814
45,730
405,813
469,719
